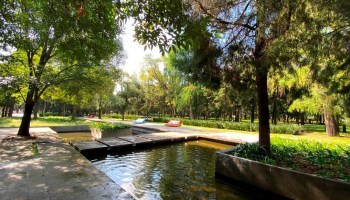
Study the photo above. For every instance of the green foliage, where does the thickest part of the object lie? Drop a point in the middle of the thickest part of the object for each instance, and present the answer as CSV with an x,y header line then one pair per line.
x,y
112,127
244,126
203,123
119,116
325,160
286,128
161,119
35,149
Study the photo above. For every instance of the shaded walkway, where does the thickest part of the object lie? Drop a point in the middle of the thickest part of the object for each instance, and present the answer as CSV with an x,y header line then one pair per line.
x,y
57,172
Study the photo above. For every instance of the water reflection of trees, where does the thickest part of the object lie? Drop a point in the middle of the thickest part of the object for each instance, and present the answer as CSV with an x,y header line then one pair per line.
x,y
178,171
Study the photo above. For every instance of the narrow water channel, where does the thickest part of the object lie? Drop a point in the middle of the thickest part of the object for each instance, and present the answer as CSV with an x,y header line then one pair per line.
x,y
178,171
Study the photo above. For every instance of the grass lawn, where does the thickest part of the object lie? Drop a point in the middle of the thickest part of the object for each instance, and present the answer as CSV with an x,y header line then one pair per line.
x,y
42,121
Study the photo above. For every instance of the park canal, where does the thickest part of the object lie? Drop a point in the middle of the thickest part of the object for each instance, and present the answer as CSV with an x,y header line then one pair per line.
x,y
178,171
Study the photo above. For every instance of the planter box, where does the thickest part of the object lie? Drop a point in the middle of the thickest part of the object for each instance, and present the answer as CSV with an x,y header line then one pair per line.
x,y
97,133
288,183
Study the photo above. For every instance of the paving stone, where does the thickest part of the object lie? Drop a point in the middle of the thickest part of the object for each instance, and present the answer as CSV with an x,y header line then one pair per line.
x,y
229,141
82,146
3,192
157,138
136,140
38,195
91,148
115,142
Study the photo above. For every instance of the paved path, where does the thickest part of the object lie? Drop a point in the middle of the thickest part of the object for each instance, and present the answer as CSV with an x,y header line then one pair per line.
x,y
220,133
56,172
212,132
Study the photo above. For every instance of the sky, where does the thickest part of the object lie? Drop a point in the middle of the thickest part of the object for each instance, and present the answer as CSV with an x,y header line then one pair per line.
x,y
135,52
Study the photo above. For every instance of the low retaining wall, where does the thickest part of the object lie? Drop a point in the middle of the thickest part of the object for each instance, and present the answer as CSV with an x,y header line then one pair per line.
x,y
288,183
65,129
97,133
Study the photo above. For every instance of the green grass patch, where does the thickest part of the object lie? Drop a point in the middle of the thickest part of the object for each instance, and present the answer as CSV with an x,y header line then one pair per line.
x,y
42,121
328,160
315,128
111,127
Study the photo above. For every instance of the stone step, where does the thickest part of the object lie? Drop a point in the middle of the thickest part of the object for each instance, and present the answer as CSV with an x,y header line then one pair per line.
x,y
156,138
135,140
138,131
90,147
114,143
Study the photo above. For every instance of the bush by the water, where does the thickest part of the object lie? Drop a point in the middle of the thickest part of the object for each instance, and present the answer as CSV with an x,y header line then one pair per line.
x,y
104,126
329,161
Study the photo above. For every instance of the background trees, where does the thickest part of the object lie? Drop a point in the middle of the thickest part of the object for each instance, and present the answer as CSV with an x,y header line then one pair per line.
x,y
226,58
56,37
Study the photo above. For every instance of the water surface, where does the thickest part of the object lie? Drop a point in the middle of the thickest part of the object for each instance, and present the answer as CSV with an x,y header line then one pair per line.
x,y
76,136
179,171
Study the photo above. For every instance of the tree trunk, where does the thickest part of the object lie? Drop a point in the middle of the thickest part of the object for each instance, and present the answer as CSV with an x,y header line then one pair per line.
x,y
36,110
44,109
28,109
223,117
191,111
238,113
10,112
100,108
331,123
123,115
263,108
302,119
297,119
3,112
64,110
273,117
252,113
74,112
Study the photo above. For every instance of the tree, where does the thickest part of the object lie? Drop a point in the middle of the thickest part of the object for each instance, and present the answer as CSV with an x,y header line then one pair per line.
x,y
257,33
62,34
128,88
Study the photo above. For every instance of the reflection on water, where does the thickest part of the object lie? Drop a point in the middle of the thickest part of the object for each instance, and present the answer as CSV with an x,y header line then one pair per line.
x,y
75,136
178,171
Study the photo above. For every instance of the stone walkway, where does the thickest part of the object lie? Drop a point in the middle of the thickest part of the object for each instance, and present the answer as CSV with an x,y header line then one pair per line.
x,y
56,172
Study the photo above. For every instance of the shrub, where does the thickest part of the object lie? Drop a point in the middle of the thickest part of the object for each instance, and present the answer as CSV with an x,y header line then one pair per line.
x,y
241,126
161,119
302,155
112,127
119,116
286,128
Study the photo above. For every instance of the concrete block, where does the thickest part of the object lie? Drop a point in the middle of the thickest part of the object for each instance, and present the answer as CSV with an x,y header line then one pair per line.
x,y
289,183
115,142
90,147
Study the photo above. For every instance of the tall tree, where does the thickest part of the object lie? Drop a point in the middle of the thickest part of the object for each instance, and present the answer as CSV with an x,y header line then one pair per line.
x,y
56,32
257,33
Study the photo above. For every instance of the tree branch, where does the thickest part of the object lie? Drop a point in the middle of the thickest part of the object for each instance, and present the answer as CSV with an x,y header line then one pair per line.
x,y
222,21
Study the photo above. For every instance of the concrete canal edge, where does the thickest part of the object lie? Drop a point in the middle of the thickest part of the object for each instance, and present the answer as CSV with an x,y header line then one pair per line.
x,y
288,183
65,129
